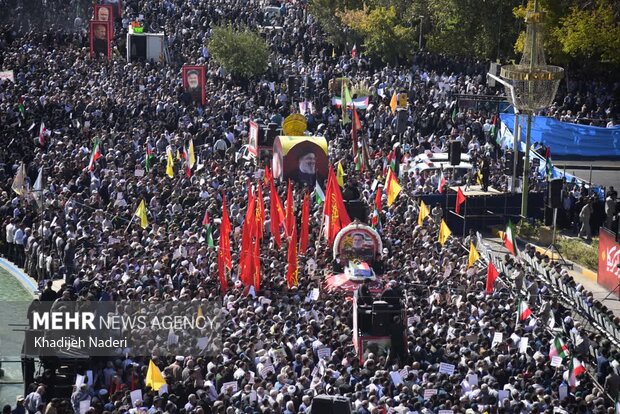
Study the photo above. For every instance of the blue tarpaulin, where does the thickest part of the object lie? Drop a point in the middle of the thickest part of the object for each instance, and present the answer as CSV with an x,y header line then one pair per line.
x,y
569,139
505,139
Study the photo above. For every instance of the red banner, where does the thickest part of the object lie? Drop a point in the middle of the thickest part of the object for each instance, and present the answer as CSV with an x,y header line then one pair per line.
x,y
608,261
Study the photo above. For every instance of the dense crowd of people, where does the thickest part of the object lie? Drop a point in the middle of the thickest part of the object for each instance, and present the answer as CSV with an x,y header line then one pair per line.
x,y
81,226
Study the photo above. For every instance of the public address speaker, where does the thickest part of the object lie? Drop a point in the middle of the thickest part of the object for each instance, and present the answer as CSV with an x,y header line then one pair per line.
x,y
454,153
555,193
328,404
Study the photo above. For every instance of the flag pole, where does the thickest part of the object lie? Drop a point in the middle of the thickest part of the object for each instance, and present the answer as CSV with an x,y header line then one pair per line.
x,y
130,221
464,217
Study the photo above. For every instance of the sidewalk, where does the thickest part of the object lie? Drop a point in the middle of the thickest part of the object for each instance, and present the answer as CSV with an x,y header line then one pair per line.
x,y
585,277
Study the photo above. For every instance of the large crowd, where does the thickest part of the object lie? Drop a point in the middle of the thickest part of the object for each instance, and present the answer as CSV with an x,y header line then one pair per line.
x,y
81,227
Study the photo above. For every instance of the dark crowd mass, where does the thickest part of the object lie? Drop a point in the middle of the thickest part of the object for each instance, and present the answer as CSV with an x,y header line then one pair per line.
x,y
80,228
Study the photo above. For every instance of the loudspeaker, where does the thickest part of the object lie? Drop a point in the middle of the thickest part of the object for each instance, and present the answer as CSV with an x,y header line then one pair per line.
x,y
510,162
520,163
357,209
401,120
327,404
381,318
555,193
454,153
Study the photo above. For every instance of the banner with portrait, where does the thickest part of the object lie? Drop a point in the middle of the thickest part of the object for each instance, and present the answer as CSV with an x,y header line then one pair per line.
x,y
100,38
357,242
303,159
194,83
117,8
105,13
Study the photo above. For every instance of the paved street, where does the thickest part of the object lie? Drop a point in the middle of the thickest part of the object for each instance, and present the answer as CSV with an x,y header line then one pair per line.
x,y
604,178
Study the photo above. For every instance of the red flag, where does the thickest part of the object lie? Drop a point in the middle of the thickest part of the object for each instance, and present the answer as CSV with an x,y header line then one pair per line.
x,y
336,216
225,236
290,212
354,51
260,214
492,275
256,265
378,196
247,235
292,274
460,199
221,270
305,225
268,175
276,213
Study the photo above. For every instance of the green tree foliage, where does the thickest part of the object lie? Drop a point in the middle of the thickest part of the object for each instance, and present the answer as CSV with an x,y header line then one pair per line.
x,y
483,29
592,33
577,32
384,34
243,53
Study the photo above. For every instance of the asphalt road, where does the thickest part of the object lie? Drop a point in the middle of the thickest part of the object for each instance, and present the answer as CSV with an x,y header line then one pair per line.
x,y
610,176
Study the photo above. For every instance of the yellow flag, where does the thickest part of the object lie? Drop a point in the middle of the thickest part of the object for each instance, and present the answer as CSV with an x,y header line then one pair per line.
x,y
392,188
333,53
154,379
192,155
423,213
473,255
170,165
444,232
340,174
141,212
394,103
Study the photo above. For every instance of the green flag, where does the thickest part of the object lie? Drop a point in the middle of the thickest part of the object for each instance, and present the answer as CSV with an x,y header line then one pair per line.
x,y
318,194
210,236
346,101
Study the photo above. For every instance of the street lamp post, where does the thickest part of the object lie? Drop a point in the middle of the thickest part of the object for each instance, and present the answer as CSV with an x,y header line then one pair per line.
x,y
533,85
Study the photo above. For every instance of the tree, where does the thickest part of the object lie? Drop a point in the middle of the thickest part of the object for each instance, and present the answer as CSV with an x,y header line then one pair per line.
x,y
592,33
385,36
581,32
240,51
484,29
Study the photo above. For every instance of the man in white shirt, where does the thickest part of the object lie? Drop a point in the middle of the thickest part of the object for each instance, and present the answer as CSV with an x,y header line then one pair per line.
x,y
10,239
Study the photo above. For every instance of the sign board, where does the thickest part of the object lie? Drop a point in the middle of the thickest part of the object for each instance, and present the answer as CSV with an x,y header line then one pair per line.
x,y
445,368
253,139
7,75
608,261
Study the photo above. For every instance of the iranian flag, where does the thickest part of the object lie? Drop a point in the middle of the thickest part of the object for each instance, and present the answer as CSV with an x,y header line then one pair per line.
x,y
509,239
523,311
442,183
43,133
558,348
575,369
375,220
94,156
